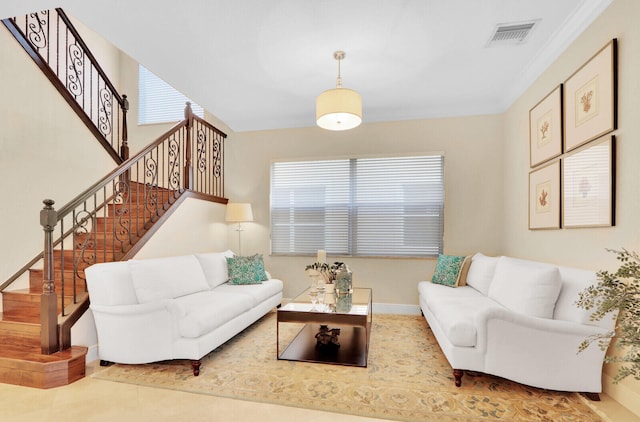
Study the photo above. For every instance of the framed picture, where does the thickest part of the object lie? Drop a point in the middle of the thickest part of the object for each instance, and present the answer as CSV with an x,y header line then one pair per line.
x,y
545,128
590,102
588,186
544,197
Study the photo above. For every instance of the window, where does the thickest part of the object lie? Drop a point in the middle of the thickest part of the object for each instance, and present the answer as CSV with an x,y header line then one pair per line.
x,y
358,207
159,102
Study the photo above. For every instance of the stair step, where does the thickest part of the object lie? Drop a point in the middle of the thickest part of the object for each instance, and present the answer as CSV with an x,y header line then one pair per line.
x,y
36,279
28,367
24,305
19,334
112,224
103,240
90,257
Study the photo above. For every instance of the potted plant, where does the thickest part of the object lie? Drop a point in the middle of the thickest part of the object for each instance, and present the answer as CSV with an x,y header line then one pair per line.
x,y
328,272
617,294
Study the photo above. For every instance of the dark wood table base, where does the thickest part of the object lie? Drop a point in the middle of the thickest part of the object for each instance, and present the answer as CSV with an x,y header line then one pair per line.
x,y
352,350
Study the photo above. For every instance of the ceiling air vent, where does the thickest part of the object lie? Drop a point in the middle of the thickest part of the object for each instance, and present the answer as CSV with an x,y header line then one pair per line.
x,y
511,34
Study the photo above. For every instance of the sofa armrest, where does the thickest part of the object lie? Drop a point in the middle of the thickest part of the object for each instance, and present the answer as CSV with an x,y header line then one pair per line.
x,y
540,352
139,333
535,323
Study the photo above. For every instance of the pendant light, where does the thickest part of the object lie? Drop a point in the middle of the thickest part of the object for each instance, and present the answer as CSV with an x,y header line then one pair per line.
x,y
339,108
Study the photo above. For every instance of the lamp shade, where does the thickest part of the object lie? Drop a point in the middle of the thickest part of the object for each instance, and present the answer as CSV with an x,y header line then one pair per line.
x,y
238,213
339,109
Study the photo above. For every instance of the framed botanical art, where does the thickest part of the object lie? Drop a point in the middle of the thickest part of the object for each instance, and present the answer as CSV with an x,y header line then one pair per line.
x,y
588,186
590,102
545,128
544,197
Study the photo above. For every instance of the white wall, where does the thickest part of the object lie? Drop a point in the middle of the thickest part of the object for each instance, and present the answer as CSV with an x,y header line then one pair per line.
x,y
582,247
473,213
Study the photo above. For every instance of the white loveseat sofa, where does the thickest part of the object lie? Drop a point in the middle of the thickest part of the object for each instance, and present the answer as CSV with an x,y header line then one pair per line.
x,y
517,319
172,308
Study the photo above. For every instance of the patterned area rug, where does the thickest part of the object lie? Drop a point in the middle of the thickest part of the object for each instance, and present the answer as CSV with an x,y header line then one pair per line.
x,y
407,379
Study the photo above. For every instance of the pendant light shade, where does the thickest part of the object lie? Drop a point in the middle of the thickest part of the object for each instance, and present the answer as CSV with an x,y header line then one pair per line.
x,y
339,108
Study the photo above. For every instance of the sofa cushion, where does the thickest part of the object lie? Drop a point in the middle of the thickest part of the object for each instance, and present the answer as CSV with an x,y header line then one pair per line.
x,y
447,270
257,292
456,314
246,269
464,271
200,313
110,283
481,272
167,278
214,266
526,287
574,281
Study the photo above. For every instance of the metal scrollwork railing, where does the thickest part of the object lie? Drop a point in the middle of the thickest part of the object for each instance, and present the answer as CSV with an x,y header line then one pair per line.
x,y
58,49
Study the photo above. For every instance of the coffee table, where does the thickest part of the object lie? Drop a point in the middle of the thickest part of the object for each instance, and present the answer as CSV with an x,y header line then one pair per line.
x,y
354,322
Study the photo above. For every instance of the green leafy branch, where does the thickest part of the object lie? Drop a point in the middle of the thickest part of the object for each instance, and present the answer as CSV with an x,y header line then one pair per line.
x,y
617,294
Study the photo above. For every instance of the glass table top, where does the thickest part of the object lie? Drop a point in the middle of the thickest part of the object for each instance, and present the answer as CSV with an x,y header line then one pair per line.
x,y
357,302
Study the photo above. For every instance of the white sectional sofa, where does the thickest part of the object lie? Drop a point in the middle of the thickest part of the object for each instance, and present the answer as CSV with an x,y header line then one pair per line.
x,y
517,319
172,308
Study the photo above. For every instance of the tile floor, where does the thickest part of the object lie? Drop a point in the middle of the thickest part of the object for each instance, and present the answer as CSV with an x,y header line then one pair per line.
x,y
92,400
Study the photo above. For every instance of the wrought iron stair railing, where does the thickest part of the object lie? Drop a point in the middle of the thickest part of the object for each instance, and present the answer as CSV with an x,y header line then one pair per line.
x,y
111,219
57,48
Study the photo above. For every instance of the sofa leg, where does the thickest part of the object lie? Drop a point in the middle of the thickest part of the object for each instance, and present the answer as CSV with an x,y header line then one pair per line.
x,y
105,363
457,376
593,396
195,364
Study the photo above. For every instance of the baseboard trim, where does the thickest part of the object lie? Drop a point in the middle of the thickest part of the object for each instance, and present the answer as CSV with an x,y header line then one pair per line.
x,y
92,353
395,308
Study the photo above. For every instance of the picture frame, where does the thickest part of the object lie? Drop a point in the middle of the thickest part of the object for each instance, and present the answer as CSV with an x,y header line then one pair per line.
x,y
590,101
545,128
544,197
588,185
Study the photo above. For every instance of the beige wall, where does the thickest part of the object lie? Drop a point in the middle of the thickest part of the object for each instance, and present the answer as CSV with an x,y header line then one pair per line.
x,y
473,212
486,171
45,152
582,247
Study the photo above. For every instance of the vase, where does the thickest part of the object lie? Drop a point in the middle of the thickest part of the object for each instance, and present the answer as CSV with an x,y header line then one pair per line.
x,y
343,283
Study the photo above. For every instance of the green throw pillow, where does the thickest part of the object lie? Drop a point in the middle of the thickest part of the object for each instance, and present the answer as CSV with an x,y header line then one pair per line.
x,y
246,269
447,270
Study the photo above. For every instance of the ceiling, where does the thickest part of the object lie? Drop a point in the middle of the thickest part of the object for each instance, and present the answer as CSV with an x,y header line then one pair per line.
x,y
259,64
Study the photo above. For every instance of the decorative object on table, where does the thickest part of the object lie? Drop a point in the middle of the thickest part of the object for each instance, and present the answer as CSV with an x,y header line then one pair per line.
x,y
590,101
343,301
343,282
238,213
588,186
544,197
545,128
328,337
328,272
313,295
617,295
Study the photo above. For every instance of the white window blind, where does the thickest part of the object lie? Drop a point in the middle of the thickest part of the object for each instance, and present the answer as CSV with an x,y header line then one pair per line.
x,y
159,102
358,207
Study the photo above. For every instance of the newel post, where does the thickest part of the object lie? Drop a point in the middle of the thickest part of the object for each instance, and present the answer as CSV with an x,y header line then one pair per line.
x,y
124,147
188,171
48,302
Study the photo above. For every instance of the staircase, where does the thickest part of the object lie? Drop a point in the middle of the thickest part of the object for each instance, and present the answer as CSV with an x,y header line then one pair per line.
x,y
109,221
